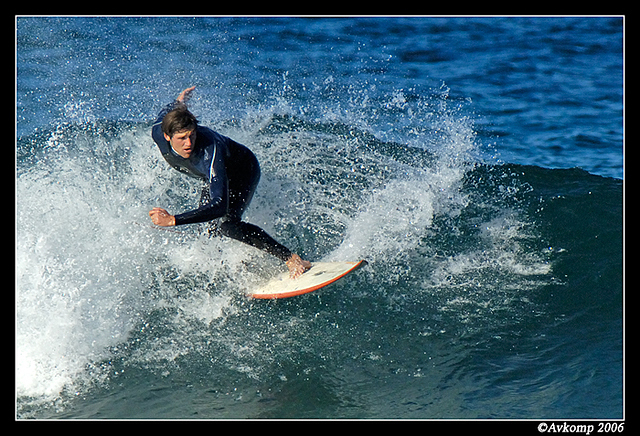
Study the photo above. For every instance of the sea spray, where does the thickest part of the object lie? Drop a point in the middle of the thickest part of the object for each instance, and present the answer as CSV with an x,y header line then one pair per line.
x,y
499,296
88,257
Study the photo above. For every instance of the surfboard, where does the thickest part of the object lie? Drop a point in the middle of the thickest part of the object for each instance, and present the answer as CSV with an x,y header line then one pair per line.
x,y
320,275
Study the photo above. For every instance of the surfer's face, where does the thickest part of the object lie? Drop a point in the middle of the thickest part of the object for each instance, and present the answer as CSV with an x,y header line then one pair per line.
x,y
183,142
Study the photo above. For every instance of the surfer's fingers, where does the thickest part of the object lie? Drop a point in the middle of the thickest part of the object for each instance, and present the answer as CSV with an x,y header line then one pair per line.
x,y
185,95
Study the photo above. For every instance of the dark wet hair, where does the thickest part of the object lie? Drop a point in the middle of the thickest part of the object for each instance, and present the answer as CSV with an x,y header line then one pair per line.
x,y
178,120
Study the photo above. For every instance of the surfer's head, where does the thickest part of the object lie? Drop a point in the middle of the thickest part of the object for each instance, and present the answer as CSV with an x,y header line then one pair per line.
x,y
179,128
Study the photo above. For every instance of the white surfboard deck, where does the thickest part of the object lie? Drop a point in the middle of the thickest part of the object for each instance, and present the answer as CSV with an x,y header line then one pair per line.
x,y
320,275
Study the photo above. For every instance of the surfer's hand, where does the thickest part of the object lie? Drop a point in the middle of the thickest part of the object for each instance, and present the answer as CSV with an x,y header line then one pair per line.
x,y
185,95
161,217
297,266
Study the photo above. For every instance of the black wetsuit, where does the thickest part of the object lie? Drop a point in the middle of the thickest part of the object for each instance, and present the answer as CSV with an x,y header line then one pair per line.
x,y
232,173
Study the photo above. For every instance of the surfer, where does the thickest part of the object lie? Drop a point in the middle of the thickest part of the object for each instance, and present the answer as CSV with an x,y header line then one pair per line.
x,y
231,171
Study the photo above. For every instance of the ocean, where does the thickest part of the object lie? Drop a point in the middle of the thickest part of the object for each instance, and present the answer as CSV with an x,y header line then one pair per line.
x,y
475,163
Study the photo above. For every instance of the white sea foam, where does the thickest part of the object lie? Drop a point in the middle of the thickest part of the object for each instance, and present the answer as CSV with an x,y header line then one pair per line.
x,y
86,255
91,271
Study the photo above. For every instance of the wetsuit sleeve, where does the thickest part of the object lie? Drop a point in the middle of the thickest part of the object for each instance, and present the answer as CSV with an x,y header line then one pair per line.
x,y
218,194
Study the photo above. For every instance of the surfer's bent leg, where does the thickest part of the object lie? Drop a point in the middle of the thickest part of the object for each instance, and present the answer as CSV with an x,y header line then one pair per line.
x,y
243,181
256,237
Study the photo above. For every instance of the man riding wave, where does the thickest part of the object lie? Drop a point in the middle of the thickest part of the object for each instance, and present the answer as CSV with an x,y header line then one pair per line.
x,y
231,171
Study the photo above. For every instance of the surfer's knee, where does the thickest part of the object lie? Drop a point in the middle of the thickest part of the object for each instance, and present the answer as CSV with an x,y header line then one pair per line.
x,y
229,228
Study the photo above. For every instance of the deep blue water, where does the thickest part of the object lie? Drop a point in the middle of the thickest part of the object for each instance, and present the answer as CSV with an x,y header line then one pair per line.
x,y
476,163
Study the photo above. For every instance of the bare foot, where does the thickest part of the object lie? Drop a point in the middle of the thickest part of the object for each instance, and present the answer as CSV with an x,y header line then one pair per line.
x,y
297,266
